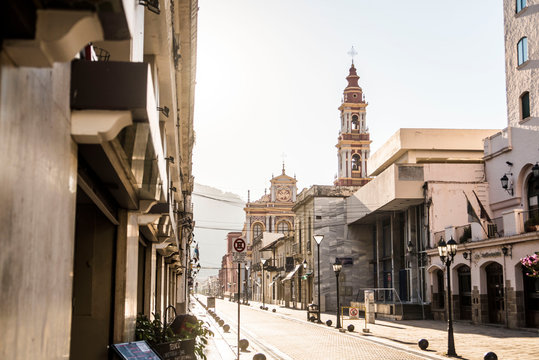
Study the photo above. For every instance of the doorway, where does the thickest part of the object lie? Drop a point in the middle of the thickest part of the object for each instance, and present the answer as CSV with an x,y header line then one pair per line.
x,y
531,299
93,282
465,292
495,293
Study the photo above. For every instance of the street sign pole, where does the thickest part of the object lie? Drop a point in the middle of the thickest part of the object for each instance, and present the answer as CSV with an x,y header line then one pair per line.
x,y
239,257
238,283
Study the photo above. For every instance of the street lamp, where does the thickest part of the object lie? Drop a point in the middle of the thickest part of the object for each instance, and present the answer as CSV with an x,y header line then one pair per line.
x,y
337,267
246,285
318,239
263,261
447,253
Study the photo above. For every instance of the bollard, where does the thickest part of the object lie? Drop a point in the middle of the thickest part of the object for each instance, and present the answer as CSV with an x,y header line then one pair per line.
x,y
423,344
312,319
329,322
273,310
351,328
259,356
221,322
244,344
262,309
490,356
226,327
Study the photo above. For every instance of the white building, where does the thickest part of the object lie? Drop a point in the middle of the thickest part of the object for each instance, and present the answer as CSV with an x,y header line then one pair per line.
x,y
513,298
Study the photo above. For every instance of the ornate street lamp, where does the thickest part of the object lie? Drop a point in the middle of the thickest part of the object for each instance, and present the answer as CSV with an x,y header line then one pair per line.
x,y
318,239
447,253
337,267
263,261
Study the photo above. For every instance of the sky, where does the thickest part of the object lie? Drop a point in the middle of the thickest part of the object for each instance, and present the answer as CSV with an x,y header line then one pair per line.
x,y
270,78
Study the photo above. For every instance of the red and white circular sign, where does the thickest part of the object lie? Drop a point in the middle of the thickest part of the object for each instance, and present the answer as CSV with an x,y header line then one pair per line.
x,y
354,312
239,245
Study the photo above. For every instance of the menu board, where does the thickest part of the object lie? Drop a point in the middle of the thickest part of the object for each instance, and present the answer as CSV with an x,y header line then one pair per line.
x,y
135,350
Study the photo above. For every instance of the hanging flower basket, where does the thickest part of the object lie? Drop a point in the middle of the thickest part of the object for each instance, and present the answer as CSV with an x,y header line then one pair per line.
x,y
531,263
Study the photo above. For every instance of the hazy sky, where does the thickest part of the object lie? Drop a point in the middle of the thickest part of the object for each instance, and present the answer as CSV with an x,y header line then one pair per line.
x,y
270,77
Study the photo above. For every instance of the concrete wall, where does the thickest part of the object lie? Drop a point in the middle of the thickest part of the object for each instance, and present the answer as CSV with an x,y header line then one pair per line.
x,y
38,186
336,243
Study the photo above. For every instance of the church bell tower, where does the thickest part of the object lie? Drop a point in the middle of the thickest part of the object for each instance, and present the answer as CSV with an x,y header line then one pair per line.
x,y
353,143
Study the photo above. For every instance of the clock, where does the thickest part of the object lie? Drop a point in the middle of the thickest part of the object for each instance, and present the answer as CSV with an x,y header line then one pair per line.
x,y
283,194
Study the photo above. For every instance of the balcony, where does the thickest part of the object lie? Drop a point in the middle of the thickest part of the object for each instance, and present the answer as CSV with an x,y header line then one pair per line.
x,y
45,32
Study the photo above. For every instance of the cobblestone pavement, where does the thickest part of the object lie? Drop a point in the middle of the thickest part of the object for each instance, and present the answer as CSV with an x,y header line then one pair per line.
x,y
299,339
284,338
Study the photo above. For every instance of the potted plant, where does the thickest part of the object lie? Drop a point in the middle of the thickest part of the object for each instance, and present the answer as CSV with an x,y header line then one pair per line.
x,y
466,235
532,224
531,263
186,336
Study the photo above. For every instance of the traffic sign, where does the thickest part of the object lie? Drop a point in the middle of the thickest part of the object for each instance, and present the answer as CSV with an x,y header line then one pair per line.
x,y
238,257
354,313
239,245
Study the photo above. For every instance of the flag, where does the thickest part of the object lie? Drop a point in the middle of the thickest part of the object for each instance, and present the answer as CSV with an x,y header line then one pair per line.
x,y
484,213
472,216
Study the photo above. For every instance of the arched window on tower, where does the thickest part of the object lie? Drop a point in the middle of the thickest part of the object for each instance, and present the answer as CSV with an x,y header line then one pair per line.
x,y
356,162
522,50
355,122
525,105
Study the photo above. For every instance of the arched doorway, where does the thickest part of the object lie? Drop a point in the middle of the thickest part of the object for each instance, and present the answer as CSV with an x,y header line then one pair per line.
x,y
495,293
465,292
531,299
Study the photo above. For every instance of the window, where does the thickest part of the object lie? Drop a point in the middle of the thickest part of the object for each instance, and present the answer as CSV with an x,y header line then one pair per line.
x,y
355,122
522,48
282,227
525,105
356,166
257,231
521,4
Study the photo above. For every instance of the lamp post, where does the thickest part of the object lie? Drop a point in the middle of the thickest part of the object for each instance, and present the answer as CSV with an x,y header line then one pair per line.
x,y
318,239
337,267
263,261
246,285
447,253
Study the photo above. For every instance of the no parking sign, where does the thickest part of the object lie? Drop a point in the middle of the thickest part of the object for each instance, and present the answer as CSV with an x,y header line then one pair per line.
x,y
354,313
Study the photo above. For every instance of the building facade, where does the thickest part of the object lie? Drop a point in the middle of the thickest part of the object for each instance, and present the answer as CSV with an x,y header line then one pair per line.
x,y
96,171
423,180
321,210
503,293
271,215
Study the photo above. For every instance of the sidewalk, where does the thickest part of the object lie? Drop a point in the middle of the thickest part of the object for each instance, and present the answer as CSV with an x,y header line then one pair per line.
x,y
471,341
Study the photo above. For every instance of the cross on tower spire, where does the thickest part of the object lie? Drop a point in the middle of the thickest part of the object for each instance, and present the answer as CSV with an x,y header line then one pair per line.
x,y
352,53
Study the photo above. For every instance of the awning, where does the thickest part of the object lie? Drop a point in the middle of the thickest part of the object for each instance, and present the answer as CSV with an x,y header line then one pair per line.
x,y
291,273
274,280
269,240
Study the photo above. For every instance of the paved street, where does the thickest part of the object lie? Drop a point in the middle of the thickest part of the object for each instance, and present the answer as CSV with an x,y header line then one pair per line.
x,y
286,335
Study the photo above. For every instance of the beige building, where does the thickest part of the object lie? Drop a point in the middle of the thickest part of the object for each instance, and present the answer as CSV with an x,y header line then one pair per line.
x,y
96,171
503,292
269,225
423,178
